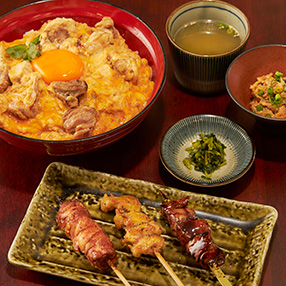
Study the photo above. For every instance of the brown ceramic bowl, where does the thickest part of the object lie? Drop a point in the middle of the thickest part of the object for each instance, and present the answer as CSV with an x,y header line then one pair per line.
x,y
245,69
139,37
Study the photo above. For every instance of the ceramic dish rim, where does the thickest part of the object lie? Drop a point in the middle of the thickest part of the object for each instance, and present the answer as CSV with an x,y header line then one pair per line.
x,y
207,183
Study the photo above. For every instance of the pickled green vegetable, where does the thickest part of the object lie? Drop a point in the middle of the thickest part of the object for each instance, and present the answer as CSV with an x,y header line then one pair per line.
x,y
206,155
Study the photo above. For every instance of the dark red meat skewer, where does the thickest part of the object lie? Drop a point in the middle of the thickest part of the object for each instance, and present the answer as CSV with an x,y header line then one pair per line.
x,y
193,233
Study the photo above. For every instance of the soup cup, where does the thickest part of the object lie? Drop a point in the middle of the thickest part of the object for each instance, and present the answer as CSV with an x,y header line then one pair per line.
x,y
200,73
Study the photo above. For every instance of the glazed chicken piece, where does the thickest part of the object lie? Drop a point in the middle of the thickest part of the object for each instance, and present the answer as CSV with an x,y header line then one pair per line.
x,y
193,233
21,97
87,236
143,235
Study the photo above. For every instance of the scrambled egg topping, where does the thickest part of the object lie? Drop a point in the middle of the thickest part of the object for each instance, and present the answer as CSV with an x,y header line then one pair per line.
x,y
55,98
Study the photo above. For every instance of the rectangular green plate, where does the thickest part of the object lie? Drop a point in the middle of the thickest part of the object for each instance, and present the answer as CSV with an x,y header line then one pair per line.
x,y
243,230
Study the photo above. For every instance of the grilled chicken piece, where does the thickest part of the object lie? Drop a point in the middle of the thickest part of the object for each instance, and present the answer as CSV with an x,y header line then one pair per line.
x,y
146,244
87,236
109,203
143,235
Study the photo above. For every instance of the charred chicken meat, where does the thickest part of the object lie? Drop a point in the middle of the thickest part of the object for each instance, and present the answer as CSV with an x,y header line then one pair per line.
x,y
87,235
142,234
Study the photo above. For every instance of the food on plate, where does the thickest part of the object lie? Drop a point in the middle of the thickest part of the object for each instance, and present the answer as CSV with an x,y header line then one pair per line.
x,y
68,80
193,233
143,235
269,95
206,155
87,235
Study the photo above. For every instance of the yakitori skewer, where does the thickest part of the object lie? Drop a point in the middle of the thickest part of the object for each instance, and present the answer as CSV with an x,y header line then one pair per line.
x,y
141,232
88,236
194,235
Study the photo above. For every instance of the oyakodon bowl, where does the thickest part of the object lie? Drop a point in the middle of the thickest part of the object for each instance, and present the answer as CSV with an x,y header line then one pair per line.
x,y
243,72
138,36
205,74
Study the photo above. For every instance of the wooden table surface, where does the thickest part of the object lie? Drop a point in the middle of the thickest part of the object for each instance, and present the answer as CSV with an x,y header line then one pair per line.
x,y
136,156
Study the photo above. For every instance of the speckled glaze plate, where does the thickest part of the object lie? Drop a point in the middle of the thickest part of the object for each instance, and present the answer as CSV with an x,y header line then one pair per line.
x,y
240,150
243,230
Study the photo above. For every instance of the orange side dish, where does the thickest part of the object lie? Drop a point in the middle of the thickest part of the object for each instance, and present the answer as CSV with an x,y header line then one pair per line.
x,y
76,81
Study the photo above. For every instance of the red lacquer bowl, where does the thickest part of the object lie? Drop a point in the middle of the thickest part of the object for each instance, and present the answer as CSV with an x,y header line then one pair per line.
x,y
139,37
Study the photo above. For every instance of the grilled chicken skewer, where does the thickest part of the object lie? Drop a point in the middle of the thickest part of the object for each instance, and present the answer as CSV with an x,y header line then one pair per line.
x,y
143,234
194,235
88,236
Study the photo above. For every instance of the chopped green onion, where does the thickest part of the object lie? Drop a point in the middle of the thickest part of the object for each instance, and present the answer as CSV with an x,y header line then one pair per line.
x,y
278,89
222,25
260,92
278,99
259,107
278,76
278,96
270,90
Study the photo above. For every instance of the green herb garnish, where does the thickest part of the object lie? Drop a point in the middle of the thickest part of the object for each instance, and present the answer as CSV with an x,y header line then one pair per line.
x,y
28,53
222,26
206,155
270,90
228,29
260,92
278,76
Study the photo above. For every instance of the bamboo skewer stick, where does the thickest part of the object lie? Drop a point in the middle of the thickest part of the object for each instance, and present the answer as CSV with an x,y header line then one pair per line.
x,y
219,275
169,269
119,274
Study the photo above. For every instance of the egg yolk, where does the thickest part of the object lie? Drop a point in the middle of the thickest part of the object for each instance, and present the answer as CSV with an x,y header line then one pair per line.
x,y
58,65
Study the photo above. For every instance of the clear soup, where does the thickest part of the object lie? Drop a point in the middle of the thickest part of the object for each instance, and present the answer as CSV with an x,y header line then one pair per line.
x,y
207,37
